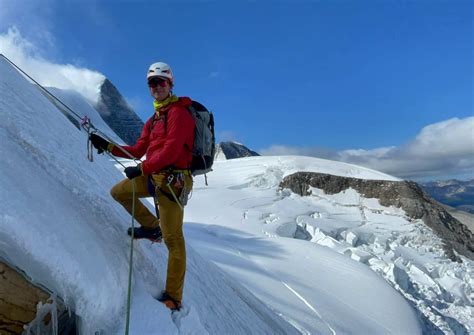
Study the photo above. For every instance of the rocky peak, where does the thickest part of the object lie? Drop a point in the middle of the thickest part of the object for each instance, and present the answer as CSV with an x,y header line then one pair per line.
x,y
231,150
402,194
118,114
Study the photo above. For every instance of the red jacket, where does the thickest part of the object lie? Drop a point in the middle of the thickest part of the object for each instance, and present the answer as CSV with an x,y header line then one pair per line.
x,y
163,149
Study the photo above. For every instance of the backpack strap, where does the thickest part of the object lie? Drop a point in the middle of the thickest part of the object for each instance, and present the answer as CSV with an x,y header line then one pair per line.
x,y
155,119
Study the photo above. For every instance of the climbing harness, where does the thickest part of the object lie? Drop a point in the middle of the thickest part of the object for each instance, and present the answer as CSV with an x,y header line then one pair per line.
x,y
174,179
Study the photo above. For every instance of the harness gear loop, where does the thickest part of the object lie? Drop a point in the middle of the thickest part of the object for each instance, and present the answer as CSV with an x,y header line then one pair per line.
x,y
170,179
86,125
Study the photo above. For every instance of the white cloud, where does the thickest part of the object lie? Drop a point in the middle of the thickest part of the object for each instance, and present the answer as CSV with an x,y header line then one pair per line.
x,y
279,150
65,76
453,137
440,149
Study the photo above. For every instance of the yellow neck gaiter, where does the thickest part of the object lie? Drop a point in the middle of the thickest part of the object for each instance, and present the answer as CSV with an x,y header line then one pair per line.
x,y
160,104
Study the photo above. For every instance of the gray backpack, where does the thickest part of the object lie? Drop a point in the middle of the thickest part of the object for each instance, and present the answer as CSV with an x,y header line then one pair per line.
x,y
204,139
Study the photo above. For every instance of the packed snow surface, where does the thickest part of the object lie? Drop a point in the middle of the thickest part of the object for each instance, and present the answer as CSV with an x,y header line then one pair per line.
x,y
244,208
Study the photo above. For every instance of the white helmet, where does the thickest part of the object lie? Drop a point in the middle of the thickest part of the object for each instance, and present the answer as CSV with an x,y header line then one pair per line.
x,y
160,70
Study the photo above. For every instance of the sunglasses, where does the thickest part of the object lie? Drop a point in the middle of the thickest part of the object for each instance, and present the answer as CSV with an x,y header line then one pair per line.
x,y
154,82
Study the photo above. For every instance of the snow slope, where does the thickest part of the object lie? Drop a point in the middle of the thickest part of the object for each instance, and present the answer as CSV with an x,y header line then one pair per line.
x,y
59,224
243,221
243,224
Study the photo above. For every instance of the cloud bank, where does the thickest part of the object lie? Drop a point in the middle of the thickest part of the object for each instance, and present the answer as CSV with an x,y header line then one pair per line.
x,y
65,76
440,149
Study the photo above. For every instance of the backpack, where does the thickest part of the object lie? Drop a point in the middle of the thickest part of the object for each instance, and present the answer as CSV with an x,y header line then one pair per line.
x,y
204,138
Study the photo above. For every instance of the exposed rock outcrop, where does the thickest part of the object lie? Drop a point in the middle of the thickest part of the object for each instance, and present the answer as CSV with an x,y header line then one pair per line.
x,y
405,194
18,304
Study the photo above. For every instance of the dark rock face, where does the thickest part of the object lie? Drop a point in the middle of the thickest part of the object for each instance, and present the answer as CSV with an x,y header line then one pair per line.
x,y
406,195
233,150
117,113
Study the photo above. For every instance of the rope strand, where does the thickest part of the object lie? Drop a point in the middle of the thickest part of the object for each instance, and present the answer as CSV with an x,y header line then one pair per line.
x,y
129,293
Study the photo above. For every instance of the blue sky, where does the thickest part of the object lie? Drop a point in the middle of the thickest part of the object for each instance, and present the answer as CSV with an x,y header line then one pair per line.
x,y
308,77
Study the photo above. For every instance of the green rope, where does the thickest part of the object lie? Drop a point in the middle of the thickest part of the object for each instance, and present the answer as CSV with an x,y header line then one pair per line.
x,y
129,295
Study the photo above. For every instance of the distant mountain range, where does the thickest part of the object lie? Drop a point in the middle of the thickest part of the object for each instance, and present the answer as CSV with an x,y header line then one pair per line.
x,y
455,193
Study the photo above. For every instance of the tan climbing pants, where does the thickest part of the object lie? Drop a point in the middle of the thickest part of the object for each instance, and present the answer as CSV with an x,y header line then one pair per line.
x,y
171,222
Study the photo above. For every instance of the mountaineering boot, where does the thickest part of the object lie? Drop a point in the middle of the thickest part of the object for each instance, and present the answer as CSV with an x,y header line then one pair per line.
x,y
153,234
169,302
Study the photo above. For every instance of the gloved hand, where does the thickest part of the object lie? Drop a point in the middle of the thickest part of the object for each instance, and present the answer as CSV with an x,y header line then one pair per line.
x,y
133,171
99,143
